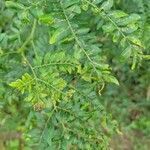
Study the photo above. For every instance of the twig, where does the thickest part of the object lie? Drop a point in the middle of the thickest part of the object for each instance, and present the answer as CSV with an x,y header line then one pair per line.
x,y
30,37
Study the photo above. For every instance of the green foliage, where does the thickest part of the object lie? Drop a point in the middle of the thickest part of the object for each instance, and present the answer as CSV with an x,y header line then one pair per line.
x,y
23,84
55,62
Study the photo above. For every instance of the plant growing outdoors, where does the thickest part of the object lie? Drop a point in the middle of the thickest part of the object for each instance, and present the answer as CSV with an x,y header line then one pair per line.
x,y
56,59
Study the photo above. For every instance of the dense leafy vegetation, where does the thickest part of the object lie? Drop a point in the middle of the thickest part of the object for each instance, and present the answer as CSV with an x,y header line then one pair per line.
x,y
71,71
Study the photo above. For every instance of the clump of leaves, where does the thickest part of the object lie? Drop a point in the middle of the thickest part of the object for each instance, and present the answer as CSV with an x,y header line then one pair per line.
x,y
53,52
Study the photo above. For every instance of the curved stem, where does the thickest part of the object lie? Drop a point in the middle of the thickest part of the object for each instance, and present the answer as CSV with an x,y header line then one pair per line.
x,y
113,22
30,37
45,126
51,64
77,40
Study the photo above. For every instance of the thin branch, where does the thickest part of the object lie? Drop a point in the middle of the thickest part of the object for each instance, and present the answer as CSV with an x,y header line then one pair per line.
x,y
45,126
46,83
77,40
30,66
113,22
30,37
51,64
117,27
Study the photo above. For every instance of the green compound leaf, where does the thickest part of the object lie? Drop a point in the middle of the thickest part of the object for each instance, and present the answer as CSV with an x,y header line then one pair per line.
x,y
25,83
